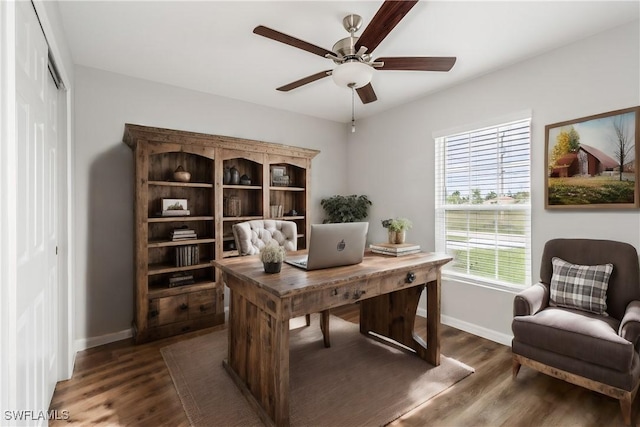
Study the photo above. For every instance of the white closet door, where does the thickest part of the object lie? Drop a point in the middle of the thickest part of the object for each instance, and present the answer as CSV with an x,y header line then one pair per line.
x,y
36,291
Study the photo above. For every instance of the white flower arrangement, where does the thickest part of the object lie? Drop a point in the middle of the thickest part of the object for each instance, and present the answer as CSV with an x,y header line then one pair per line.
x,y
272,253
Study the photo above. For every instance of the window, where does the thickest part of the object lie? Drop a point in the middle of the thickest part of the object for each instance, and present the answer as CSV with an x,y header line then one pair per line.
x,y
483,208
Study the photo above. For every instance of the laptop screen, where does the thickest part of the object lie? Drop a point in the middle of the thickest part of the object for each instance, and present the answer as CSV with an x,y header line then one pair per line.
x,y
333,245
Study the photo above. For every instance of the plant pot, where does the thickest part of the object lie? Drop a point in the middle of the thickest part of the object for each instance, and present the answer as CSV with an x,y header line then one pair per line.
x,y
272,267
392,237
400,236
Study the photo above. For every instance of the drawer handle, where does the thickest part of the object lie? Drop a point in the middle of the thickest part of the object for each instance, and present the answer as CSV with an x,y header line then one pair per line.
x,y
334,292
411,277
358,294
203,307
153,313
184,307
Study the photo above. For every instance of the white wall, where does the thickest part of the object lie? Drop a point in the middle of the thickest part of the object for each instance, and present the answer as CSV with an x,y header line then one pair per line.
x,y
395,154
104,177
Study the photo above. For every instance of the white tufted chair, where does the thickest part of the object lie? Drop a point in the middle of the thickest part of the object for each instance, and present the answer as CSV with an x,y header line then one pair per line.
x,y
251,236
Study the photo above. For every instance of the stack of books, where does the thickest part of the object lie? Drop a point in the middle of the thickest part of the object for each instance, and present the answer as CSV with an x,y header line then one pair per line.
x,y
187,255
182,234
181,279
400,249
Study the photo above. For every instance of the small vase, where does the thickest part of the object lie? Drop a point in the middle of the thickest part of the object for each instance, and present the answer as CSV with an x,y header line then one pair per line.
x,y
272,267
392,237
235,176
400,236
226,176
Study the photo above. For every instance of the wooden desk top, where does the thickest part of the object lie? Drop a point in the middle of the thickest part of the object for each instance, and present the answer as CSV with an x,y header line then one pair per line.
x,y
292,280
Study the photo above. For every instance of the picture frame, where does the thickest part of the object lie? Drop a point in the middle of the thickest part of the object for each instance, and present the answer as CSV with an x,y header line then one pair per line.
x,y
591,162
279,177
174,204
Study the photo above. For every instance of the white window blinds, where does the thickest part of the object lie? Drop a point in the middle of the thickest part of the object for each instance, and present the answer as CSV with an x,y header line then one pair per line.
x,y
483,209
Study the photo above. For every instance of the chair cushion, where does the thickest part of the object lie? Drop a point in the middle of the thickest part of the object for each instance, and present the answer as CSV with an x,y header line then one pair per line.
x,y
583,287
578,334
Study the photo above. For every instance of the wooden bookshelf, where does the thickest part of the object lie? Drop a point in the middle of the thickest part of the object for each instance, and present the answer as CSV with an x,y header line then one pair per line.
x,y
163,309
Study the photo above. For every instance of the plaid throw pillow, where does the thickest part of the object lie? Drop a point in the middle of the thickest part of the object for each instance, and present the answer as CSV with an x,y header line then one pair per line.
x,y
580,286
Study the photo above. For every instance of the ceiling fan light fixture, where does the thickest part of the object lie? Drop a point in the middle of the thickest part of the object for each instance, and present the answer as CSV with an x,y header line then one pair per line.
x,y
352,74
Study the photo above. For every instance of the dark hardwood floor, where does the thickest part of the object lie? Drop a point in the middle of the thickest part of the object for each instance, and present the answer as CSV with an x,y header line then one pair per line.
x,y
126,384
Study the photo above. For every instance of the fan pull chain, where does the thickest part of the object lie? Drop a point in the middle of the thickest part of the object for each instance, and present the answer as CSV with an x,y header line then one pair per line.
x,y
353,108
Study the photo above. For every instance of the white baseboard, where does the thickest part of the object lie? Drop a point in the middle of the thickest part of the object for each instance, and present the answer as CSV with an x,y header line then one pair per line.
x,y
85,343
490,334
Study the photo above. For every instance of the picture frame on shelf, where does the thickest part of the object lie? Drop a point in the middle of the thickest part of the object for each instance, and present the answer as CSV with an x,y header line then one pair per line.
x,y
279,177
591,162
175,207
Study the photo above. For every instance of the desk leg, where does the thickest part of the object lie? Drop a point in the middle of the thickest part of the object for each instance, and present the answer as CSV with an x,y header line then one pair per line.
x,y
433,322
259,359
393,316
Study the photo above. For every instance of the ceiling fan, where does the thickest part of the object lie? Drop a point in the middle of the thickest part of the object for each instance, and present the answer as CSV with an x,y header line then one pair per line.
x,y
353,54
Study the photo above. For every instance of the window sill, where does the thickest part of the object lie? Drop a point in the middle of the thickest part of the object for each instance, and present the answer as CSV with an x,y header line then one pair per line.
x,y
474,281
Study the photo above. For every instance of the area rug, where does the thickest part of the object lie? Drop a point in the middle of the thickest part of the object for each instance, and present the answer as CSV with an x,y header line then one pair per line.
x,y
357,382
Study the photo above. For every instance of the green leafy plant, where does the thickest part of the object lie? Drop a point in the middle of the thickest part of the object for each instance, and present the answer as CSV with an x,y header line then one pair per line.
x,y
272,253
346,208
397,224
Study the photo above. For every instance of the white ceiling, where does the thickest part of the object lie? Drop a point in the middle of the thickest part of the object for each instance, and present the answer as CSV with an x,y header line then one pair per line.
x,y
209,46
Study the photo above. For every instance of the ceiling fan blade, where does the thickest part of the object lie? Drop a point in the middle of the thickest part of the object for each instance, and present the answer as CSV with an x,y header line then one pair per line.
x,y
418,63
386,18
304,81
367,94
291,41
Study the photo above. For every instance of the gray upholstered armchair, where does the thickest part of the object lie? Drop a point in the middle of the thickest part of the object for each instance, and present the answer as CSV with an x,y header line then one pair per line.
x,y
251,236
573,327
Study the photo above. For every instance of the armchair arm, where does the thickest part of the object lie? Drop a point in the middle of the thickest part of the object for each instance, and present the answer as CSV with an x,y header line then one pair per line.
x,y
531,300
630,324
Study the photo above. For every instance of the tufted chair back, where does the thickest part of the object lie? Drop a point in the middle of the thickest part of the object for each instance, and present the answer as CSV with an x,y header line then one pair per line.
x,y
251,236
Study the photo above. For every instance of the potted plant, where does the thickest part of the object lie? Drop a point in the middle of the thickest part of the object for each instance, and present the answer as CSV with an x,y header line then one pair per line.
x,y
272,256
346,208
397,229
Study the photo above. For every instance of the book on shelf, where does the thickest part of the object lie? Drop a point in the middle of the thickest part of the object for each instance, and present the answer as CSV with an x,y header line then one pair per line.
x,y
181,279
187,255
395,249
182,234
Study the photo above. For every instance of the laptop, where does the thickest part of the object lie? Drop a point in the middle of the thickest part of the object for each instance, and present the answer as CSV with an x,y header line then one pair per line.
x,y
333,245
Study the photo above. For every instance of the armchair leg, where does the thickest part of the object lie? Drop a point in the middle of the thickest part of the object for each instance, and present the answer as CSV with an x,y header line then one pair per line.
x,y
625,407
308,319
515,368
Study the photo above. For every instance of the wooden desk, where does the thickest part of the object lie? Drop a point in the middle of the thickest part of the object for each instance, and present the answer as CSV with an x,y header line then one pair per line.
x,y
261,305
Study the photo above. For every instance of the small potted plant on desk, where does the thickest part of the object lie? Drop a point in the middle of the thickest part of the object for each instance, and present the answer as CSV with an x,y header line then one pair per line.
x,y
397,229
272,256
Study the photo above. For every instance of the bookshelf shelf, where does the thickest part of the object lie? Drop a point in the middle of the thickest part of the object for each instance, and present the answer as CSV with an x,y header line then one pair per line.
x,y
166,243
182,184
180,218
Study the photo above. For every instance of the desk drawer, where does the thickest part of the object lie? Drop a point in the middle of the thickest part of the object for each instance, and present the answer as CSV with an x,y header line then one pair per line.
x,y
336,296
407,279
321,299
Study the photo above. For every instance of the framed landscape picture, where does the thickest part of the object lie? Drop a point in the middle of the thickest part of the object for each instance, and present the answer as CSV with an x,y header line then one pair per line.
x,y
591,162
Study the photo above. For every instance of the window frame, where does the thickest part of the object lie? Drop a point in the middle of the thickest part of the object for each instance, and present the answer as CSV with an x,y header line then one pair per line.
x,y
441,207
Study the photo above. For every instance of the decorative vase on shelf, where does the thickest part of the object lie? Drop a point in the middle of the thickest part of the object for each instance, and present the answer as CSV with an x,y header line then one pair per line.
x,y
272,267
181,175
226,176
235,176
400,236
